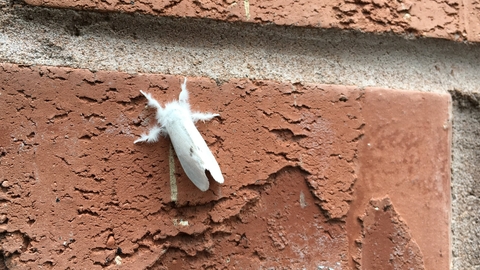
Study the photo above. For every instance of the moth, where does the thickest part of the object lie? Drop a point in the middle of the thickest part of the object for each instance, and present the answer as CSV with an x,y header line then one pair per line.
x,y
177,121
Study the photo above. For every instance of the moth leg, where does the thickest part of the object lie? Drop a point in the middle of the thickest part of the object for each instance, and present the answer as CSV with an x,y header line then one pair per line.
x,y
151,101
152,135
183,97
196,116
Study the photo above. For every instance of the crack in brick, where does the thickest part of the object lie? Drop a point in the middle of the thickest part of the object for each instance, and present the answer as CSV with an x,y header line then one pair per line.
x,y
88,99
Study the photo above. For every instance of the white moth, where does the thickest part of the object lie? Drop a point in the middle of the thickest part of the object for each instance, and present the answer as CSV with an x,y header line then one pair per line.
x,y
178,122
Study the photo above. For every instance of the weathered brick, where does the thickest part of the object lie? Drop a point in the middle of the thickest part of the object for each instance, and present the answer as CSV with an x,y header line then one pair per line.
x,y
439,19
405,155
301,164
472,20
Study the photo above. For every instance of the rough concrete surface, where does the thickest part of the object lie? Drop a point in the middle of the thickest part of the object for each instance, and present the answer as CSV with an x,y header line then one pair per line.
x,y
222,50
77,193
466,181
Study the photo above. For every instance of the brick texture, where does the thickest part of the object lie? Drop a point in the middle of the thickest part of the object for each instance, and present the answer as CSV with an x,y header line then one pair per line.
x,y
405,156
312,172
472,18
450,19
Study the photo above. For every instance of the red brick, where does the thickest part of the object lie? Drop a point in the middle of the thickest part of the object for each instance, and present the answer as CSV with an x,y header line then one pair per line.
x,y
405,155
439,19
472,20
80,191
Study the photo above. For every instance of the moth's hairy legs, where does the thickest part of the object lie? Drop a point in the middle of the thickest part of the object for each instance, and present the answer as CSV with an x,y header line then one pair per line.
x,y
151,101
152,135
196,116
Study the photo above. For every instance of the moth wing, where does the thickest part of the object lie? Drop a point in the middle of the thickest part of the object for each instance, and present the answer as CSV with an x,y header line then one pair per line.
x,y
211,163
193,153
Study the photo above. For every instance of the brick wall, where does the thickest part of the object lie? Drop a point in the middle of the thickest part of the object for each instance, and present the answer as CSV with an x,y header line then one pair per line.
x,y
332,157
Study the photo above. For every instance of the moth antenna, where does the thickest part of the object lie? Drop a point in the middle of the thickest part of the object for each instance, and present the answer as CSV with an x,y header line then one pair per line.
x,y
183,97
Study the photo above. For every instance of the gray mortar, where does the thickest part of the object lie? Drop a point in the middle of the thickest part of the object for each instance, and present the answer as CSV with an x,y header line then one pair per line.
x,y
466,181
199,47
